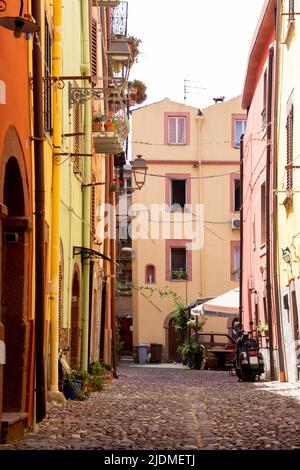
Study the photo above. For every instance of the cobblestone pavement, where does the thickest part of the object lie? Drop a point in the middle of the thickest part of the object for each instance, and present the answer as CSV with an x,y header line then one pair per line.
x,y
169,408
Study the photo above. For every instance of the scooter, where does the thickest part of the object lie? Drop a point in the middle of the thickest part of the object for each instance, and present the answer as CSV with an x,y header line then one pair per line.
x,y
249,362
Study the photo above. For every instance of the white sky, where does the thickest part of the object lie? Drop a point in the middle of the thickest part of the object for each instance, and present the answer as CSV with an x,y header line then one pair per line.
x,y
206,41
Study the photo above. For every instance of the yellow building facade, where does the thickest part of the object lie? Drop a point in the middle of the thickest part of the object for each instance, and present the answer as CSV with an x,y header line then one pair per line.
x,y
185,220
288,184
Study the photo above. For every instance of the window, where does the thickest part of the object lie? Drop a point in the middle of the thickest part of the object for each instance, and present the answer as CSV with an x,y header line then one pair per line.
x,y
48,73
235,193
263,214
178,263
291,10
178,260
238,129
150,274
178,193
290,147
177,128
264,111
235,261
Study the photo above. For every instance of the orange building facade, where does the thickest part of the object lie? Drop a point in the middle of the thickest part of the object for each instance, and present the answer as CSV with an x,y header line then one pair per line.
x,y
16,251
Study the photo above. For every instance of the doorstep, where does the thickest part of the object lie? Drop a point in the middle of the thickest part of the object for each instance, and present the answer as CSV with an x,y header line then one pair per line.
x,y
12,427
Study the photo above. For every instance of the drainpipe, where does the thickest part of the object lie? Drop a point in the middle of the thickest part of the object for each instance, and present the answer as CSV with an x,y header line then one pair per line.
x,y
268,215
275,200
242,227
40,313
90,308
85,70
55,232
107,270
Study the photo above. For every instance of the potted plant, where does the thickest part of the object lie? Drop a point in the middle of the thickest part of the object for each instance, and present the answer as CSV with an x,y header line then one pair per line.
x,y
133,44
138,91
97,122
76,385
262,328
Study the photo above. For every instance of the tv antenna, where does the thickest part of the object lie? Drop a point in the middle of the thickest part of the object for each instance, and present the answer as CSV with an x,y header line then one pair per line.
x,y
190,85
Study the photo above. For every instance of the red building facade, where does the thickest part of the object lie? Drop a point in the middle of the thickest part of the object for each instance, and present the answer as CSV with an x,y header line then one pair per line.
x,y
258,292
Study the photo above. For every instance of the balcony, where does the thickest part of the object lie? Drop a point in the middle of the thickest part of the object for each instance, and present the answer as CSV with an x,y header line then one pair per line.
x,y
110,133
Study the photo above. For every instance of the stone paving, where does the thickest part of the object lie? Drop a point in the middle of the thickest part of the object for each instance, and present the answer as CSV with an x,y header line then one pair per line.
x,y
164,408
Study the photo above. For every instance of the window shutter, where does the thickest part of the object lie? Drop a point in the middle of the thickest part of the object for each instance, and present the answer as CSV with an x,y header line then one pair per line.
x,y
94,50
181,130
289,142
77,146
171,130
291,10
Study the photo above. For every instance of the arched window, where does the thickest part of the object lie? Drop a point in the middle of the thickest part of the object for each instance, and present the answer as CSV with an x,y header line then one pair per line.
x,y
150,274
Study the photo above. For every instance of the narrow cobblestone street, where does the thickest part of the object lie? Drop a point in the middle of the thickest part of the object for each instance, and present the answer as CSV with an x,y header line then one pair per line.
x,y
172,408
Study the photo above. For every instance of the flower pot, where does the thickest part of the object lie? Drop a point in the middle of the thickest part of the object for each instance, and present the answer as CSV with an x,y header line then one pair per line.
x,y
70,388
109,127
96,126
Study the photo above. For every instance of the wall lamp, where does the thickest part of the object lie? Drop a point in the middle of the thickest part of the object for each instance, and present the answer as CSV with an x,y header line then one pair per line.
x,y
139,169
286,255
19,24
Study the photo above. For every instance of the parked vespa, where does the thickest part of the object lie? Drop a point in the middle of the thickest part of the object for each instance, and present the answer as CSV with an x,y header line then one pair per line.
x,y
249,361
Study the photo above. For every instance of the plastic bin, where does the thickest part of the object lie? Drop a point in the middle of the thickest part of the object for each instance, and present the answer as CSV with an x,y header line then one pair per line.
x,y
155,353
143,353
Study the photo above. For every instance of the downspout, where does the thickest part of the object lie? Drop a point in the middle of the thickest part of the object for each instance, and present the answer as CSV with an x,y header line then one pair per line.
x,y
107,270
55,232
85,70
268,214
275,200
242,227
40,275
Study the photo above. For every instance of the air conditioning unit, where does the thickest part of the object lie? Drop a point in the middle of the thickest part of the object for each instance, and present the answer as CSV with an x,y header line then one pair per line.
x,y
235,223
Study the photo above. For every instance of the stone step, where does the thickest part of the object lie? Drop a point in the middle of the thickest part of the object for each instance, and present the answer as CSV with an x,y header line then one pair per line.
x,y
12,427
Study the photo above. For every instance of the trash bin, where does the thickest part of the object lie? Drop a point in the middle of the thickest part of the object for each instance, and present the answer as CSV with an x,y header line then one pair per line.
x,y
143,353
155,352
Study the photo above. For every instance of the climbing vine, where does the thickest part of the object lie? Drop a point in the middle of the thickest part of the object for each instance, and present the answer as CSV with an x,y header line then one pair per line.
x,y
179,318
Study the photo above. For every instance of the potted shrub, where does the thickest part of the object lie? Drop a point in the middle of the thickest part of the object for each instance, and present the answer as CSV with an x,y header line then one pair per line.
x,y
133,44
76,385
139,91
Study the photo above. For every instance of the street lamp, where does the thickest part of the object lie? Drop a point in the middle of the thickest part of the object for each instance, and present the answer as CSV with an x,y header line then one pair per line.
x,y
286,255
19,24
139,168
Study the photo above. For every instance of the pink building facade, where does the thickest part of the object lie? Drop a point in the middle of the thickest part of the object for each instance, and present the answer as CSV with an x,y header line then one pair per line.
x,y
258,292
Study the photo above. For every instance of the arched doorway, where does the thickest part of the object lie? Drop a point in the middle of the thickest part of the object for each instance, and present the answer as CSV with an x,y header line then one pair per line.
x,y
75,321
14,314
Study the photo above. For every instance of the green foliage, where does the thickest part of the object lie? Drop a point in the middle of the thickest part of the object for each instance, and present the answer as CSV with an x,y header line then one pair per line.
x,y
179,274
120,344
262,327
190,347
179,320
99,375
192,323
